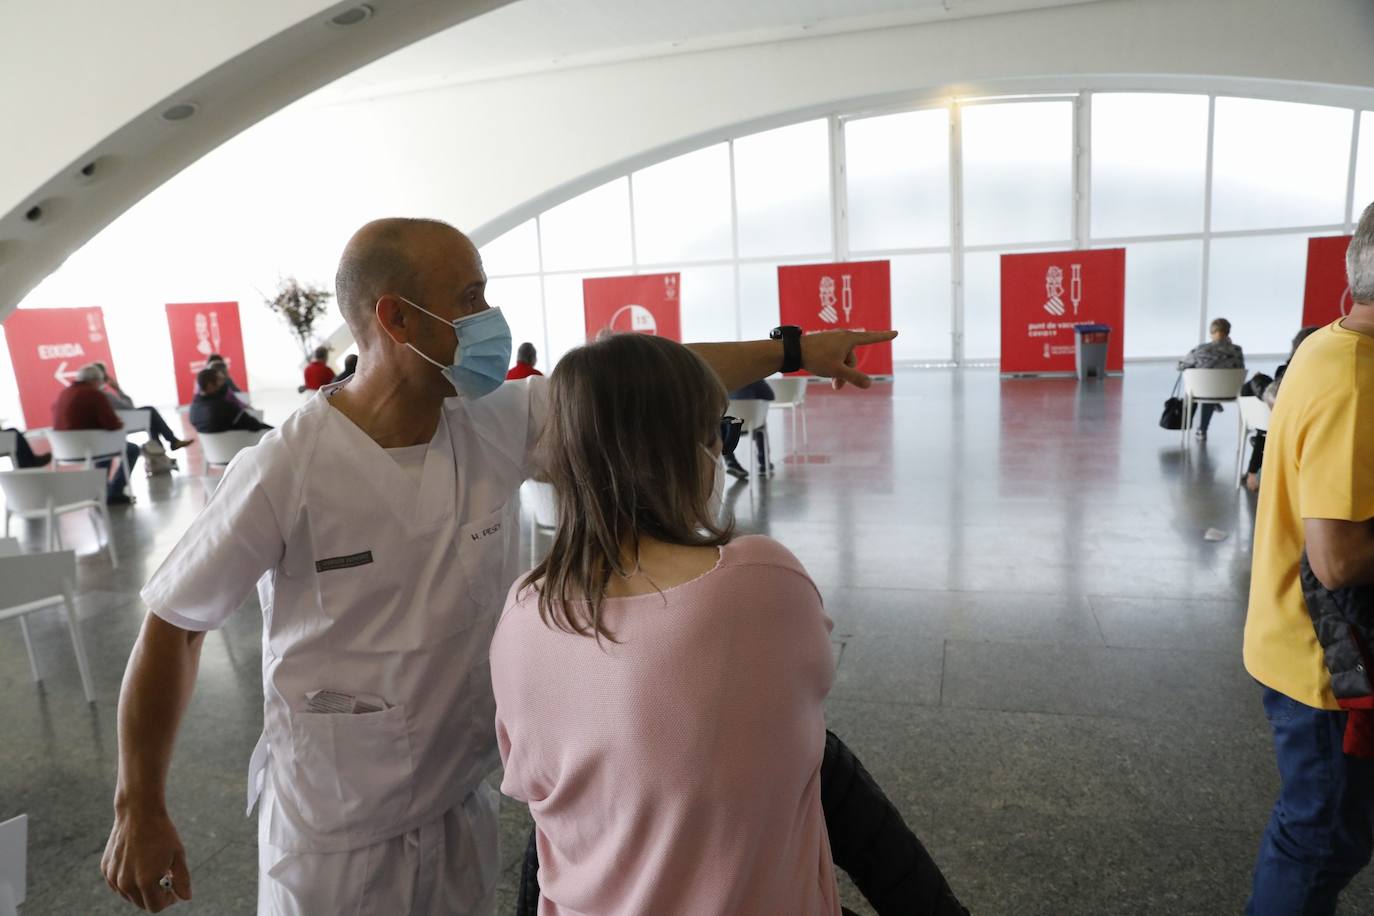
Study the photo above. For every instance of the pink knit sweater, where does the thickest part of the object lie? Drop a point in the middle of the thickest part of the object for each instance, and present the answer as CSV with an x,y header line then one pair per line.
x,y
676,771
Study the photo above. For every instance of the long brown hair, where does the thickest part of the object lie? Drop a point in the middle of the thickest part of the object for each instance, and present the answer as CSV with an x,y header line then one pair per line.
x,y
623,447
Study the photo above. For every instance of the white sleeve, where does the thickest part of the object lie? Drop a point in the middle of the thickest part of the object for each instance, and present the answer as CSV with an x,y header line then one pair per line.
x,y
239,536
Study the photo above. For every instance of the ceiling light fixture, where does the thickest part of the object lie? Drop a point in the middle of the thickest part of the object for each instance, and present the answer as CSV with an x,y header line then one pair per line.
x,y
180,111
352,16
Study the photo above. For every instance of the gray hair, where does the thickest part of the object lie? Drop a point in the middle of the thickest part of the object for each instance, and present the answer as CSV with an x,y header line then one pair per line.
x,y
1359,259
90,373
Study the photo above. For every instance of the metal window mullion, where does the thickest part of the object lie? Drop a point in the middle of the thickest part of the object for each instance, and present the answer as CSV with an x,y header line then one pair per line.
x,y
839,192
1082,170
1350,177
734,241
543,298
1207,216
956,235
634,245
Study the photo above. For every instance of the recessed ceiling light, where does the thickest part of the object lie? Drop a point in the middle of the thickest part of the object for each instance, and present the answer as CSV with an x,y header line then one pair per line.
x,y
352,16
34,214
180,111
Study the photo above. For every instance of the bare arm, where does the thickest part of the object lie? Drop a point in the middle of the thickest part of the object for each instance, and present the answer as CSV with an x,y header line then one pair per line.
x,y
1341,552
143,844
829,354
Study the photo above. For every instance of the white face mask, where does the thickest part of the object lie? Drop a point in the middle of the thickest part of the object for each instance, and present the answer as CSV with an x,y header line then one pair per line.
x,y
717,497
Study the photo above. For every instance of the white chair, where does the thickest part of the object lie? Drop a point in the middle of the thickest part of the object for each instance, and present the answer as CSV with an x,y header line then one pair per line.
x,y
35,581
14,849
1208,386
1254,417
85,446
9,444
138,420
544,510
220,448
754,413
35,493
789,394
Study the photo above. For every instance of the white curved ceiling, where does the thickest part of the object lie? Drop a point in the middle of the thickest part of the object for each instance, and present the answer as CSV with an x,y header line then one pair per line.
x,y
536,35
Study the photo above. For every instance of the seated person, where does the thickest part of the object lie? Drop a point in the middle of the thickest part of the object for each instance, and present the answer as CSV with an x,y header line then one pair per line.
x,y
525,357
350,366
1267,389
671,747
157,427
82,405
23,455
755,391
317,371
212,410
1217,353
215,361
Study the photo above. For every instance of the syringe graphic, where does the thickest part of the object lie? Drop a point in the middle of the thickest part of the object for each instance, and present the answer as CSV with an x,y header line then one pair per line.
x,y
846,297
1076,287
214,329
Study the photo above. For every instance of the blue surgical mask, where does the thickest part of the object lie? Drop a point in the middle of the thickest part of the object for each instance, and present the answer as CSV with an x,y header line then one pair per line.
x,y
481,355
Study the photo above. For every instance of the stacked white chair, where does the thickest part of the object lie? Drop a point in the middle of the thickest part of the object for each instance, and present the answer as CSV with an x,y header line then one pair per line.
x,y
789,394
1208,386
754,413
37,581
220,448
14,848
37,494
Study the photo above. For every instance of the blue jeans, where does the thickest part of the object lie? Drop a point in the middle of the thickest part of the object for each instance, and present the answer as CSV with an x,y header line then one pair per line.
x,y
1322,830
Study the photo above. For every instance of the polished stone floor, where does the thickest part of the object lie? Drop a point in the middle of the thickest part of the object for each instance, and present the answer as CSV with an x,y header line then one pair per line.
x,y
1038,654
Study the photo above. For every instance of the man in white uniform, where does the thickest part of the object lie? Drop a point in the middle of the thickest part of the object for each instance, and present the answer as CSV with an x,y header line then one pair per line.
x,y
380,523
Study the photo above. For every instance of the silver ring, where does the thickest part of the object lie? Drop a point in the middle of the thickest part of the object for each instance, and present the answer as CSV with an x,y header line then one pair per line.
x,y
165,882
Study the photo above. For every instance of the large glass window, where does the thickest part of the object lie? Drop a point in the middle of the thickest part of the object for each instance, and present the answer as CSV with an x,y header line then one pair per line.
x,y
682,208
1364,167
1149,163
1257,284
1278,168
782,191
591,230
515,252
1018,172
897,180
921,308
1278,164
1163,298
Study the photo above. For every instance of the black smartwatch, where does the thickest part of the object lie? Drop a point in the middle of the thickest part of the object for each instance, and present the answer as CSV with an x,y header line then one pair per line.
x,y
791,336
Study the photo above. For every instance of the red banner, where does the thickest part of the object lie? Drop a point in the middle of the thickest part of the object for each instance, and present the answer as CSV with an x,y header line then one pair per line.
x,y
644,304
199,329
47,346
850,296
1327,295
1045,294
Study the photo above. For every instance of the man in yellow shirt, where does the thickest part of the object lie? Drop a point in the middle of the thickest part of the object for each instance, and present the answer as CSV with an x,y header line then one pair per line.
x,y
1317,494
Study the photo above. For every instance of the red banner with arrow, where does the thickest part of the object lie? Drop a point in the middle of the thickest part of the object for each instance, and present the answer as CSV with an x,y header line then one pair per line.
x,y
47,346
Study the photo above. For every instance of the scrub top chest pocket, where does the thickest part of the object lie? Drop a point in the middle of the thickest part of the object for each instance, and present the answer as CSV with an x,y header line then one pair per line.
x,y
483,549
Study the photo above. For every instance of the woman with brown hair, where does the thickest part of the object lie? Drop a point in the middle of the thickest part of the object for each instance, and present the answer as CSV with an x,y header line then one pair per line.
x,y
660,683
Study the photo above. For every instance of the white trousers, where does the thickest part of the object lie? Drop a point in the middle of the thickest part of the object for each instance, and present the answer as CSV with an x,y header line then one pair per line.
x,y
449,866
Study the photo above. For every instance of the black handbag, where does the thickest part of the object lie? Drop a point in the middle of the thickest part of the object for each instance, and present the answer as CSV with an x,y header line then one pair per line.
x,y
1172,418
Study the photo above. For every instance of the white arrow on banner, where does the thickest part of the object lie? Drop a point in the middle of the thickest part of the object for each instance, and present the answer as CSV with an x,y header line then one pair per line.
x,y
63,376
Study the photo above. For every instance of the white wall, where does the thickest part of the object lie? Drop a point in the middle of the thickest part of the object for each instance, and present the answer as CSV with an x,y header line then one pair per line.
x,y
283,196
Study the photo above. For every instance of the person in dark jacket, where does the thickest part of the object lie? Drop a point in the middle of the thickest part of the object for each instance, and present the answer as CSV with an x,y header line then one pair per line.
x,y
1267,389
23,455
213,412
756,391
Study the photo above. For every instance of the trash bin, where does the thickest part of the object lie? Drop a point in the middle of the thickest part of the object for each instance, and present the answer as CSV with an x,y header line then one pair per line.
x,y
1090,349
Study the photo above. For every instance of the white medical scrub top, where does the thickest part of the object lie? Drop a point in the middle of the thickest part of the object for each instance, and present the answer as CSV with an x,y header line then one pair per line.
x,y
371,586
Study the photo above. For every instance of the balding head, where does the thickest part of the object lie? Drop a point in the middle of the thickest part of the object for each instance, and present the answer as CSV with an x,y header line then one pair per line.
x,y
404,257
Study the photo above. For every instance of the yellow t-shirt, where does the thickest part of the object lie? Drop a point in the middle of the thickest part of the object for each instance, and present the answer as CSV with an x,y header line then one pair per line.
x,y
1318,463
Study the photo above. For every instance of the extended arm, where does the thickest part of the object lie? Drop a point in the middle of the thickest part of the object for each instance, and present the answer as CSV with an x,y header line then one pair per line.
x,y
829,354
144,844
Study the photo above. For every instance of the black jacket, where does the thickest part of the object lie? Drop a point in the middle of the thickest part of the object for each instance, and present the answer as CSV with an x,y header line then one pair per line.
x,y
216,414
1344,621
